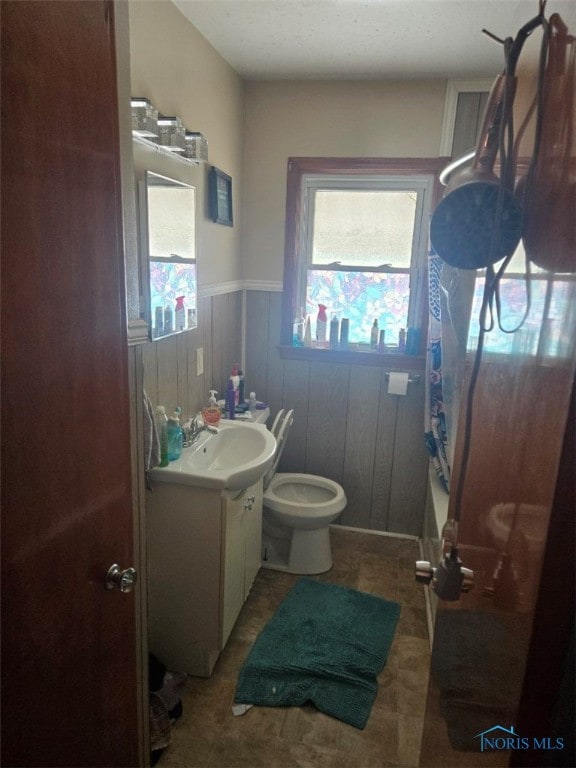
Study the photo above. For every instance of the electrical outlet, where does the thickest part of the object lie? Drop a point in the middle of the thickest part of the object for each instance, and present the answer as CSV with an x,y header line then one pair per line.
x,y
199,361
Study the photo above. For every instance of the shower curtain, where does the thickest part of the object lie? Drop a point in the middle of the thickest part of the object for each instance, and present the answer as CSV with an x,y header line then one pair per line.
x,y
435,428
451,294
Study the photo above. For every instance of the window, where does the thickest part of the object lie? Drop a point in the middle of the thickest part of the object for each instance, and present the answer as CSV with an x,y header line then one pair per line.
x,y
539,327
356,241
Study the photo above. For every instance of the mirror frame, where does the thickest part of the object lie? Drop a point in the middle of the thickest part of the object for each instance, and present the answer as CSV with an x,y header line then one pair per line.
x,y
146,291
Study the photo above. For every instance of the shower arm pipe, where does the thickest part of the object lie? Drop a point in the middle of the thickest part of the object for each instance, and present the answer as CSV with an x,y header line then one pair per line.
x,y
515,46
445,174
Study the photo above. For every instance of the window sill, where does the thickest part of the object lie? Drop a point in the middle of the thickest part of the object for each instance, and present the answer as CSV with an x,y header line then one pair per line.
x,y
393,360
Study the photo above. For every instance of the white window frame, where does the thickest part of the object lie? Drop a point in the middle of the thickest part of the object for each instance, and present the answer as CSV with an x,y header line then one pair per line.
x,y
421,184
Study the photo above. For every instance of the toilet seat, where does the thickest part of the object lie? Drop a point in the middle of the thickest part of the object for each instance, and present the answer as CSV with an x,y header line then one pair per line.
x,y
303,496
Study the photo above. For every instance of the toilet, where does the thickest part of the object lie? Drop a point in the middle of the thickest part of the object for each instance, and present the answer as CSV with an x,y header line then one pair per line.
x,y
298,510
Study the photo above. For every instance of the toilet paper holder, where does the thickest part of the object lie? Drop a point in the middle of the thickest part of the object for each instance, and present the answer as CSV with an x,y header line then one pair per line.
x,y
414,379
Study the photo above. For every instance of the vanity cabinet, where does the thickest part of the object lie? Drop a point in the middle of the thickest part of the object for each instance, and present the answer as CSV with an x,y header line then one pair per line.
x,y
203,551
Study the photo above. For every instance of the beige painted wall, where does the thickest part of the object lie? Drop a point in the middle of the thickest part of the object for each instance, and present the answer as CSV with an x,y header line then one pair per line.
x,y
327,119
179,71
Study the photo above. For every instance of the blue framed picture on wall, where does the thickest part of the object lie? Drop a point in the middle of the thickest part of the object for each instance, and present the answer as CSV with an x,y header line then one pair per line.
x,y
220,192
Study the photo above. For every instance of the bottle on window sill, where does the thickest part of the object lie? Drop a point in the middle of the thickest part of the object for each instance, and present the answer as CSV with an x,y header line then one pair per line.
x,y
381,341
334,327
298,332
402,340
374,334
321,322
344,328
308,333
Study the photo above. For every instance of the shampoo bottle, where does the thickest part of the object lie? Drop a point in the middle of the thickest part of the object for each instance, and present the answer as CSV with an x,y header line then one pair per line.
x,y
180,314
321,322
162,428
174,437
252,404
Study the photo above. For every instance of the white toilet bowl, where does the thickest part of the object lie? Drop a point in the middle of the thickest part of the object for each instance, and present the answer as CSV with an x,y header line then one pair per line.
x,y
298,510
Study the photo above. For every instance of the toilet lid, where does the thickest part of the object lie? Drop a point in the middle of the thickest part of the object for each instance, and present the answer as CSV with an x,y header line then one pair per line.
x,y
280,429
277,422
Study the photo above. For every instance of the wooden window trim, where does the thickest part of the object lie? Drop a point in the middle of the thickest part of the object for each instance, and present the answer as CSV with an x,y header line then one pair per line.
x,y
356,166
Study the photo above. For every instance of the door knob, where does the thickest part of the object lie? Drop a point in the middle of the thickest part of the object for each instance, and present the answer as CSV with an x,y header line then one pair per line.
x,y
122,580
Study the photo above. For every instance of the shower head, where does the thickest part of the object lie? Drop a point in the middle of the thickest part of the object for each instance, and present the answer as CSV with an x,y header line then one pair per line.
x,y
479,221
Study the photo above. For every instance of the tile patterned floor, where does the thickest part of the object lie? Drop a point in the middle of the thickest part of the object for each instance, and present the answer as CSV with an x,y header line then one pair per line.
x,y
209,736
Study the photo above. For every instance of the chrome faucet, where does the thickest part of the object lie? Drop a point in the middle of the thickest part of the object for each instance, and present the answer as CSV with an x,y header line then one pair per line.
x,y
196,427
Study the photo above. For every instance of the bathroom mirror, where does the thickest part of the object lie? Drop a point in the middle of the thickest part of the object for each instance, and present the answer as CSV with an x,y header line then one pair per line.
x,y
168,236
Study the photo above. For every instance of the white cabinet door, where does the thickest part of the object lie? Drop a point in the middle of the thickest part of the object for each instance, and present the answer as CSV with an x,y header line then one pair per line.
x,y
233,563
253,535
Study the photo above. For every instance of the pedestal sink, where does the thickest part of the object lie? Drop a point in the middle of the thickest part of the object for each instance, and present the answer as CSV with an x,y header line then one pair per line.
x,y
234,458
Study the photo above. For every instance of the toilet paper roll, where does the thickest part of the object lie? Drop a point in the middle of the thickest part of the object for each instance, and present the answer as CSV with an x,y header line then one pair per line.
x,y
397,383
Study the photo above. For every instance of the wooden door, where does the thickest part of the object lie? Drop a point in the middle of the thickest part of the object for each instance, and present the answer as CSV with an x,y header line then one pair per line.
x,y
500,651
69,689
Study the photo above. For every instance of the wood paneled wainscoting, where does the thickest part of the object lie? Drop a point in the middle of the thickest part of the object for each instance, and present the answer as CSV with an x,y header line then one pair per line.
x,y
346,425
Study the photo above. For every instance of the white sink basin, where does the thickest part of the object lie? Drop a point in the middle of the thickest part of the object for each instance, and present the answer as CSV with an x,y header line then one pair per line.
x,y
234,458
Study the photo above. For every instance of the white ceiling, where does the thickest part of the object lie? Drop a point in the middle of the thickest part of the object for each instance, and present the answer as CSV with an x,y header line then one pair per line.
x,y
363,39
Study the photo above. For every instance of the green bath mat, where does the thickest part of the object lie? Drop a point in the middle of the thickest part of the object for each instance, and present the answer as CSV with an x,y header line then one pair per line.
x,y
325,644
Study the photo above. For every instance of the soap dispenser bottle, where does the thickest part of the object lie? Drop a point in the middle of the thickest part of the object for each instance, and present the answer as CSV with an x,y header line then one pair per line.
x,y
211,414
174,437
